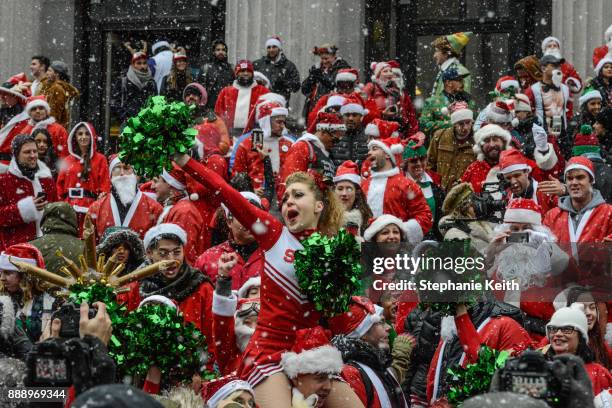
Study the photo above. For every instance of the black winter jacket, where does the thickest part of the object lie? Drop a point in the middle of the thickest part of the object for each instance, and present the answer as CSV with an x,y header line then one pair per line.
x,y
127,98
353,146
283,75
319,83
215,76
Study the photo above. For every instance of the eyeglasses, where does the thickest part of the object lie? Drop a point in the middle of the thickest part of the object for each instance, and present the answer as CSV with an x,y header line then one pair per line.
x,y
564,329
164,253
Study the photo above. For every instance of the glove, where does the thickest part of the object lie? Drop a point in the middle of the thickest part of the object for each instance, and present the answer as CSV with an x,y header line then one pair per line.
x,y
298,400
540,138
402,351
567,367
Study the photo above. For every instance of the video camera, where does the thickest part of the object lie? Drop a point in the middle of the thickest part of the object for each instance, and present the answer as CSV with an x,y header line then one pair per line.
x,y
486,206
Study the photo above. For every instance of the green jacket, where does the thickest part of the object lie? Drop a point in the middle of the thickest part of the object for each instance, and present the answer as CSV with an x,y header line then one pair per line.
x,y
60,231
438,86
433,117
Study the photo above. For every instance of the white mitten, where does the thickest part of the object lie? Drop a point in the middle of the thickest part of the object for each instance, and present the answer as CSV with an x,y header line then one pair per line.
x,y
298,400
541,261
540,137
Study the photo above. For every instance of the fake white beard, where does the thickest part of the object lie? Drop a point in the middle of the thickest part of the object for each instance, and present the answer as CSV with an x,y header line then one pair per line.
x,y
557,77
448,328
243,334
554,52
125,186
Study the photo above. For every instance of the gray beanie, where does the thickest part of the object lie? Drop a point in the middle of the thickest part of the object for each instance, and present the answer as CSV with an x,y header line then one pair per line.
x,y
61,68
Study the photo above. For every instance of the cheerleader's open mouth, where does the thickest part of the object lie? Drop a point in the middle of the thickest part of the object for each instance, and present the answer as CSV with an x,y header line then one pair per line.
x,y
292,216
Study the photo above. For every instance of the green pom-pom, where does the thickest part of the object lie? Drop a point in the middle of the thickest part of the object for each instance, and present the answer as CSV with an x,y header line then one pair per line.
x,y
159,130
474,379
329,271
586,129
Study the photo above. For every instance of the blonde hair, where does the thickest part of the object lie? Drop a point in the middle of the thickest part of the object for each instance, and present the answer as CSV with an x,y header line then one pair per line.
x,y
333,213
29,286
443,45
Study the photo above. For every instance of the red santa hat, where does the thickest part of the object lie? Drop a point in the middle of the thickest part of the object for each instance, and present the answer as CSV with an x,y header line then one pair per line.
x,y
377,68
347,75
352,105
138,55
580,163
512,160
460,111
484,133
606,59
265,112
506,82
392,146
355,323
36,101
548,40
523,210
164,229
522,103
334,101
23,253
379,223
379,128
244,64
18,86
176,178
272,97
312,353
179,56
573,316
348,171
261,78
274,41
329,122
217,390
252,282
501,112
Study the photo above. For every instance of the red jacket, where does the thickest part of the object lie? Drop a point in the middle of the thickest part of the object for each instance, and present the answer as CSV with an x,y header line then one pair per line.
x,y
241,272
378,97
352,376
231,96
19,219
13,128
372,114
390,192
70,176
186,215
59,136
249,161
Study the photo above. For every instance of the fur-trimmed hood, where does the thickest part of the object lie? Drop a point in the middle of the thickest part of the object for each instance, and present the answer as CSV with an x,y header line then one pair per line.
x,y
123,236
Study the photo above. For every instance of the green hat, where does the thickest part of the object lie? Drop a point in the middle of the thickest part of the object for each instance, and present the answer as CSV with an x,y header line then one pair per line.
x,y
458,41
414,150
585,141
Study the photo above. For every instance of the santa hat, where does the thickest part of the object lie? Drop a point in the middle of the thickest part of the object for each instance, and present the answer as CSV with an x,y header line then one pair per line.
x,y
523,210
606,59
164,229
217,390
18,86
347,75
352,105
588,94
36,101
371,130
585,141
521,103
176,178
377,68
260,77
390,145
379,223
114,162
252,282
458,41
274,41
355,323
581,163
501,112
179,56
159,299
23,253
506,82
348,171
460,111
572,316
486,132
548,40
512,160
312,353
160,44
265,112
249,195
138,55
244,64
272,97
329,122
383,129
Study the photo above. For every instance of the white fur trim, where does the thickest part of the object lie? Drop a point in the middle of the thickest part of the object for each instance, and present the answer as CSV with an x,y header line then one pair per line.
x,y
335,100
384,147
6,265
523,216
37,103
486,132
272,97
115,162
372,130
352,108
165,228
608,335
515,167
227,390
494,117
547,160
414,231
27,210
576,166
353,216
381,222
157,299
605,60
91,142
510,83
332,127
573,84
346,76
376,190
463,114
448,328
250,283
279,112
592,94
273,42
353,178
159,44
223,305
365,325
549,39
258,76
325,359
7,324
173,182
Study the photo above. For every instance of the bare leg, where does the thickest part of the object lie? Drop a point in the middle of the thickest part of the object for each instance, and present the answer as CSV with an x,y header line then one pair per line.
x,y
274,392
342,396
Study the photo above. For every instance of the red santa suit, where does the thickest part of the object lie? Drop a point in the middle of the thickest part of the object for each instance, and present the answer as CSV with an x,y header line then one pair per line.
x,y
19,218
240,273
59,136
600,52
71,187
284,307
235,102
14,127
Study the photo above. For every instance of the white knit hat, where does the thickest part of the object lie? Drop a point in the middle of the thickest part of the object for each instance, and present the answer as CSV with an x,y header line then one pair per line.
x,y
252,282
165,228
573,316
548,40
486,132
587,96
411,230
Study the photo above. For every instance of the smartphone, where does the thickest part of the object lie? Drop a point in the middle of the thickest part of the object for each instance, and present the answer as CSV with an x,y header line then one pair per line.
x,y
257,139
41,194
518,237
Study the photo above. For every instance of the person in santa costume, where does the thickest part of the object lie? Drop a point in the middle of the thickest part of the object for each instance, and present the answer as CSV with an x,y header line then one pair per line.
x,y
13,95
31,304
378,129
308,205
371,369
604,50
311,364
571,78
333,105
253,158
603,79
125,206
390,192
84,174
171,192
249,257
392,101
40,117
347,186
236,101
226,390
29,186
505,88
488,322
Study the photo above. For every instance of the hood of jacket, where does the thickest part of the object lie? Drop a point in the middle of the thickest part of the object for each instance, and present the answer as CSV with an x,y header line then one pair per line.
x,y
59,218
565,203
73,147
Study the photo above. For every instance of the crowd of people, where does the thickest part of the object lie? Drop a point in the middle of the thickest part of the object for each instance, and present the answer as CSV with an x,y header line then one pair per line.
x,y
234,211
